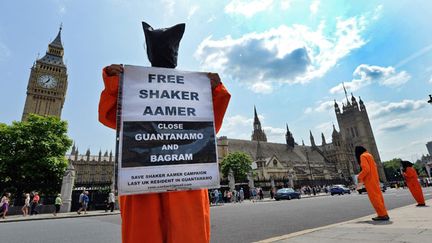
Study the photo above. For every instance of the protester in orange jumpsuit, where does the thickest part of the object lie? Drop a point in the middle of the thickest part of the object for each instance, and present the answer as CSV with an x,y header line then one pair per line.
x,y
182,216
369,177
411,178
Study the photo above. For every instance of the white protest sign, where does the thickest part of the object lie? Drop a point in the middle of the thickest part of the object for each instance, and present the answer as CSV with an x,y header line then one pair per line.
x,y
167,137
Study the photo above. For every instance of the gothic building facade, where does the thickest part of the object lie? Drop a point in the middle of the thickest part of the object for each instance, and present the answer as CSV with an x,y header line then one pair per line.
x,y
92,170
47,84
326,162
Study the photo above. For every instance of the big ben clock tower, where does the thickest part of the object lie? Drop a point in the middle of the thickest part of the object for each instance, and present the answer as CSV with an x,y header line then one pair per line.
x,y
47,85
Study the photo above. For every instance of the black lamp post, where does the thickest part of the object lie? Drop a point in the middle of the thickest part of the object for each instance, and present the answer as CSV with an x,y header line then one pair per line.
x,y
430,99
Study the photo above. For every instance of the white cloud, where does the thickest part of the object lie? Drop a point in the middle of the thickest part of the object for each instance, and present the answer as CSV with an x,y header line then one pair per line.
x,y
314,6
247,8
365,75
322,106
286,54
192,11
274,134
241,127
285,4
237,126
398,124
380,109
264,88
430,80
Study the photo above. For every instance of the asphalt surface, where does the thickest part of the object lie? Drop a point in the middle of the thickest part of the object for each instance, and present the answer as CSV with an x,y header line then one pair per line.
x,y
258,221
246,222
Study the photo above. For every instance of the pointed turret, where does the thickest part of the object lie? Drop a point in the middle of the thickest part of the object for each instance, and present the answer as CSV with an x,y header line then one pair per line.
x,y
73,148
335,133
88,154
256,119
110,156
312,140
100,155
362,106
323,139
258,134
289,138
76,154
54,54
354,101
57,43
336,106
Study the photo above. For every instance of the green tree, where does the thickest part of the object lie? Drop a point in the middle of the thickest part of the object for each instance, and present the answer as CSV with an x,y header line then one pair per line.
x,y
420,168
392,169
32,155
239,162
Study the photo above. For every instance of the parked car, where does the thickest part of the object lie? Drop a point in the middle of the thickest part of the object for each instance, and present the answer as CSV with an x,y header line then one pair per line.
x,y
339,189
286,193
363,189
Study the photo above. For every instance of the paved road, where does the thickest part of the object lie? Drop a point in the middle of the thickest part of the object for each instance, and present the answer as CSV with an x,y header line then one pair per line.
x,y
258,221
246,222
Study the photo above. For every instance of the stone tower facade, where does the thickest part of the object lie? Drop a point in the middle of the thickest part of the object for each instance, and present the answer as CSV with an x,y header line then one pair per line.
x,y
258,134
47,85
355,129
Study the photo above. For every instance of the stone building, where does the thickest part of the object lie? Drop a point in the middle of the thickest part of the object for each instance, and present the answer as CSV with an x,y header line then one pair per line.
x,y
314,164
90,169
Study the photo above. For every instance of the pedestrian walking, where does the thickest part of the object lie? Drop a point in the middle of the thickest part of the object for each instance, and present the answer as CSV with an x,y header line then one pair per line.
x,y
4,204
111,201
35,203
25,208
58,202
369,177
272,193
261,194
411,178
241,194
84,202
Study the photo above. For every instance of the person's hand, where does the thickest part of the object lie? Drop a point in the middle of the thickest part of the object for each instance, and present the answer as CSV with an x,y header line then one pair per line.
x,y
114,69
214,79
359,186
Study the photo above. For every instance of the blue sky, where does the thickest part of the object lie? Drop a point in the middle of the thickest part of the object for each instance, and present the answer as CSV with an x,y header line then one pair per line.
x,y
287,57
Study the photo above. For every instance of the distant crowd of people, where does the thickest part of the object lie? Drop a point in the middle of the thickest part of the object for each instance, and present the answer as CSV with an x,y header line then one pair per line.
x,y
32,203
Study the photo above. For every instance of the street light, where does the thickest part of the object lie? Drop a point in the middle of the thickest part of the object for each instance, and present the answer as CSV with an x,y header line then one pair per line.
x,y
430,99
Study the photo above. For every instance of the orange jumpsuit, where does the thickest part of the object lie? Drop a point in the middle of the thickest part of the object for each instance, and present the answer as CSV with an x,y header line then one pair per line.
x,y
182,216
413,184
369,176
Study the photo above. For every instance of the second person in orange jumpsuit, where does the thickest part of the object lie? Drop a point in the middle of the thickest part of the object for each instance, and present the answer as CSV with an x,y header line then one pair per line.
x,y
369,177
411,178
182,216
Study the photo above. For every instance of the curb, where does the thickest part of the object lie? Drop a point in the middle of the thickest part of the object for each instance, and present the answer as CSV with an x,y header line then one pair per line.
x,y
56,217
307,231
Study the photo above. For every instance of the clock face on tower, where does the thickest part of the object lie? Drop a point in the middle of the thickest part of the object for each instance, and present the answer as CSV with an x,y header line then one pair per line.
x,y
47,81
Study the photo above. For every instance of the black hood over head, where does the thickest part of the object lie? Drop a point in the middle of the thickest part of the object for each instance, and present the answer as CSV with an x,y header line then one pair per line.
x,y
359,150
163,44
406,164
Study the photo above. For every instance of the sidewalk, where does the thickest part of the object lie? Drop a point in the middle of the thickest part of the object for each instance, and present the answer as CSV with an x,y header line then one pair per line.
x,y
407,224
17,218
